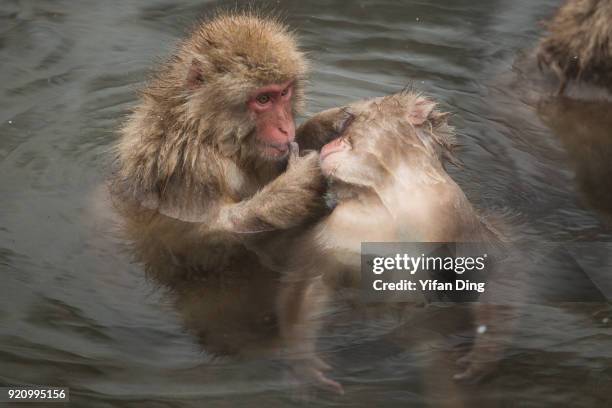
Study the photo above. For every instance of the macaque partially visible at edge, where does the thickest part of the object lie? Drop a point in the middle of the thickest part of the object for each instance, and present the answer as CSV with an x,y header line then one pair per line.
x,y
387,183
585,130
578,50
206,162
578,46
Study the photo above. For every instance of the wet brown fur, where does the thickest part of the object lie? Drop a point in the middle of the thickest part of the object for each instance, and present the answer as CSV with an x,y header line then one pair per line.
x,y
579,44
193,191
179,138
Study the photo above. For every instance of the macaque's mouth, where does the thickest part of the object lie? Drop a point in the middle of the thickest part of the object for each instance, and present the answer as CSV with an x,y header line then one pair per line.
x,y
335,146
327,153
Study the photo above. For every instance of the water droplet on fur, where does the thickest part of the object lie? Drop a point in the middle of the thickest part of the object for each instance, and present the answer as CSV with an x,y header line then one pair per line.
x,y
481,329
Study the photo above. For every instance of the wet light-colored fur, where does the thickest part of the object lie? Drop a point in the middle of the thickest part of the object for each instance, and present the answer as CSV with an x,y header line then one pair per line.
x,y
579,43
390,186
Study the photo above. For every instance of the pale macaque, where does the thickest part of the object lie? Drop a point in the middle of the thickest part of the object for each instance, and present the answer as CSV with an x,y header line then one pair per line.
x,y
207,161
579,43
386,183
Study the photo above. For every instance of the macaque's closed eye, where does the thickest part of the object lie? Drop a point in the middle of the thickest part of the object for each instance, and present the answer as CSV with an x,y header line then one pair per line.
x,y
346,123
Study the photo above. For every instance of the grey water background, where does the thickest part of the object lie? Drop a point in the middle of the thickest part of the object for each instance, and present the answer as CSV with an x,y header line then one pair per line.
x,y
76,312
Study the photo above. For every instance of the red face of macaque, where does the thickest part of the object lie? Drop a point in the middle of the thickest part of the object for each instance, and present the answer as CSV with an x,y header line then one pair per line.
x,y
272,109
335,146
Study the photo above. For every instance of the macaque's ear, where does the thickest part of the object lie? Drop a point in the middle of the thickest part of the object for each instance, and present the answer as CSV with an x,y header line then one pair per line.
x,y
194,76
420,111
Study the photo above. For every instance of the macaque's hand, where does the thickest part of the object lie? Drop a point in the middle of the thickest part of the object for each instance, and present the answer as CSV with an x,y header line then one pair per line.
x,y
321,128
479,363
309,372
493,332
297,194
306,168
287,201
305,177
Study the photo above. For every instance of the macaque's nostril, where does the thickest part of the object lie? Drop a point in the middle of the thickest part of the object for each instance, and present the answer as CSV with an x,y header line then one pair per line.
x,y
283,131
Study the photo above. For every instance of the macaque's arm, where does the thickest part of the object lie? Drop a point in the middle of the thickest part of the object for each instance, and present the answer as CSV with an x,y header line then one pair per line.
x,y
321,129
300,304
287,201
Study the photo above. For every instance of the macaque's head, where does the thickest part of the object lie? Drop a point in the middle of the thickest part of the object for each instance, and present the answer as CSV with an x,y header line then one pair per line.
x,y
368,141
241,79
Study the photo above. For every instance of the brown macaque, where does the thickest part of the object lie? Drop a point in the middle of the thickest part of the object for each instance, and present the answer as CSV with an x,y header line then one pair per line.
x,y
214,129
579,44
387,183
206,163
585,130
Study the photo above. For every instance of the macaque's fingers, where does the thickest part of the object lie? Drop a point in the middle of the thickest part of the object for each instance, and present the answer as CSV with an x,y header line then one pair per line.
x,y
475,366
464,376
309,158
473,374
463,362
320,364
307,373
305,171
294,152
328,384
